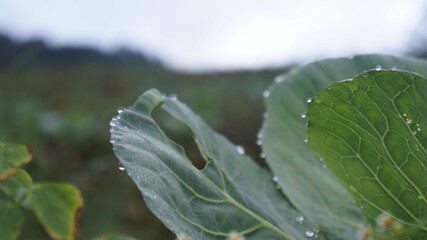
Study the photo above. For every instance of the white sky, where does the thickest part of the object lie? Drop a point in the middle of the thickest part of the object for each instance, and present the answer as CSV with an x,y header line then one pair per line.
x,y
221,34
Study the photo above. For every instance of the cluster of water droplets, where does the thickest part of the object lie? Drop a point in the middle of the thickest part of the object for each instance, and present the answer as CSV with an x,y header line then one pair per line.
x,y
416,128
309,233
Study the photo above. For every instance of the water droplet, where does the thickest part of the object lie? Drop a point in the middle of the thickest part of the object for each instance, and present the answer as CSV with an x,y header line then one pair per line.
x,y
324,166
259,142
404,114
155,196
299,219
240,149
118,118
279,79
378,67
309,100
418,124
121,167
321,159
112,141
306,140
259,135
266,94
418,129
262,155
112,123
275,179
303,115
120,110
408,121
111,130
173,97
393,68
309,233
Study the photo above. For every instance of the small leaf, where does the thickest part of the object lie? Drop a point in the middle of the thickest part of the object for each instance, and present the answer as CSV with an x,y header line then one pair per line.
x,y
371,131
231,194
115,236
57,208
17,186
11,157
11,220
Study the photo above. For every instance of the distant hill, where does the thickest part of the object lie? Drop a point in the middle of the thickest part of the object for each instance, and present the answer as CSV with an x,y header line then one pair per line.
x,y
37,53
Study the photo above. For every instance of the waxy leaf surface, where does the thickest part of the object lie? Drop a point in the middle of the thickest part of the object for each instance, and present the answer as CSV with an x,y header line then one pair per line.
x,y
372,132
231,194
303,177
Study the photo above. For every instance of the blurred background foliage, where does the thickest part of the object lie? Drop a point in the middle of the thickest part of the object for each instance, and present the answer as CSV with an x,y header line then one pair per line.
x,y
59,102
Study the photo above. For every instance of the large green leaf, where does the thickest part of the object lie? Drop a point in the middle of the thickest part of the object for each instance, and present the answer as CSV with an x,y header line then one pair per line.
x,y
371,131
11,220
300,172
57,208
17,186
231,194
11,157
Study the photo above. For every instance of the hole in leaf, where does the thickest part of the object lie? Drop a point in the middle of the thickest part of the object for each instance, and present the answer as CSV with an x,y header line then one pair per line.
x,y
179,133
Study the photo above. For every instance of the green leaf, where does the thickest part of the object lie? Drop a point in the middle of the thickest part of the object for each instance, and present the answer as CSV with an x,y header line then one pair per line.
x,y
57,208
11,220
17,186
372,132
311,188
11,157
115,236
231,194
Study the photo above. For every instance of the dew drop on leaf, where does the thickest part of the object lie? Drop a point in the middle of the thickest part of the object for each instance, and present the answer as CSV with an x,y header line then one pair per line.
x,y
259,142
279,79
309,233
121,167
120,110
303,115
378,67
173,97
299,219
309,100
240,149
266,94
275,179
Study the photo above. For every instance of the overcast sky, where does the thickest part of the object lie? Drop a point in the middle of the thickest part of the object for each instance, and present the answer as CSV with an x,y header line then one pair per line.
x,y
221,34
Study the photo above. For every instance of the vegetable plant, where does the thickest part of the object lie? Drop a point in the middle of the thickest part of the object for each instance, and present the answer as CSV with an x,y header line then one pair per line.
x,y
56,206
345,140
